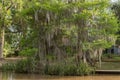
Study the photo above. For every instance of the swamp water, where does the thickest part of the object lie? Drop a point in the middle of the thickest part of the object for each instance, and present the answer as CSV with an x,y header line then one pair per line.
x,y
15,76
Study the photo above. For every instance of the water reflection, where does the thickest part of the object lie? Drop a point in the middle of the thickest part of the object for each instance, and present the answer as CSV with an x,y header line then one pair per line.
x,y
14,76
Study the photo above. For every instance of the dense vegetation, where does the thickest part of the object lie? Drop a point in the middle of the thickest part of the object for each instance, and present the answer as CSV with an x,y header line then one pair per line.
x,y
60,37
116,9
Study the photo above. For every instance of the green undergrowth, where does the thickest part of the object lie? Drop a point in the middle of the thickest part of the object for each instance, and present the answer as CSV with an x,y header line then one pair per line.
x,y
68,69
33,66
109,56
110,66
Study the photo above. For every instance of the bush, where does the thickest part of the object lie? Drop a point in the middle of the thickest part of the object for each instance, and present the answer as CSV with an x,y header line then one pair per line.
x,y
8,67
84,69
28,52
8,50
22,66
31,66
52,69
68,69
28,65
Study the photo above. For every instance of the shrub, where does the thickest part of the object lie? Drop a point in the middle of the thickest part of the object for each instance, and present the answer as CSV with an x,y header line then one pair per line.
x,y
8,50
52,69
30,65
28,52
26,66
22,66
8,67
84,69
68,69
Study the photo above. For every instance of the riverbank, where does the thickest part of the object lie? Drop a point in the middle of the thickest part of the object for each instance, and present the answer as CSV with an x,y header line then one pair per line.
x,y
56,69
31,65
10,60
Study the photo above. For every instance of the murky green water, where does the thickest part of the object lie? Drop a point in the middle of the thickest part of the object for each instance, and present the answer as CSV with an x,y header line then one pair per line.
x,y
14,76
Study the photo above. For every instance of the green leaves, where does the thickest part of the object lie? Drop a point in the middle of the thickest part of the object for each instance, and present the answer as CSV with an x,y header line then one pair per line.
x,y
85,24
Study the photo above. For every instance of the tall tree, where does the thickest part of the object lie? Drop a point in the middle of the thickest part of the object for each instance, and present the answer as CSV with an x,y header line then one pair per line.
x,y
60,28
5,17
116,9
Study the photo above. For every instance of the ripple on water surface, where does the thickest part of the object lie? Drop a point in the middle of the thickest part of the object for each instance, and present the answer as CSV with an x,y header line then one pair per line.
x,y
15,76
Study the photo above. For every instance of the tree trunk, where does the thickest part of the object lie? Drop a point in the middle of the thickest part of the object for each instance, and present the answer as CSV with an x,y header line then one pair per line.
x,y
2,42
99,57
84,58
